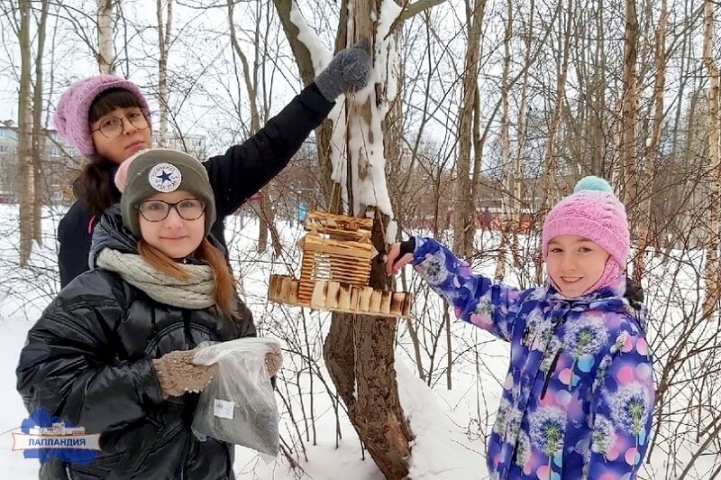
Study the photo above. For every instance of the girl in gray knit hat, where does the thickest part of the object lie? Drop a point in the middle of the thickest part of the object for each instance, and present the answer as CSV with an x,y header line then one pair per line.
x,y
113,353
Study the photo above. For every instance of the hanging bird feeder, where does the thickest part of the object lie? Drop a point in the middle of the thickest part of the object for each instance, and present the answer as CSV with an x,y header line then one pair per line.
x,y
335,268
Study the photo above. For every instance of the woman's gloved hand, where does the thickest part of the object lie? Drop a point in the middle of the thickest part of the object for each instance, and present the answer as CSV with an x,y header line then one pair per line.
x,y
347,71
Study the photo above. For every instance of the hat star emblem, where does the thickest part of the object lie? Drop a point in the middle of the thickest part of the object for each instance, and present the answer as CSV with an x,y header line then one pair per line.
x,y
164,176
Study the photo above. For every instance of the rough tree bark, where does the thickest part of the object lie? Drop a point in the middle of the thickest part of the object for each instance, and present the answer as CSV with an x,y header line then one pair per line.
x,y
359,350
548,185
26,169
629,118
711,269
464,203
649,166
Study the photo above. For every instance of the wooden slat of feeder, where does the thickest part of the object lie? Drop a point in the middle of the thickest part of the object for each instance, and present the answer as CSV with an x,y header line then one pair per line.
x,y
339,226
338,297
339,221
331,246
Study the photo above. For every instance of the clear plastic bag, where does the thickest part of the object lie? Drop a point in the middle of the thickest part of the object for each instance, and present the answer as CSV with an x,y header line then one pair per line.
x,y
238,405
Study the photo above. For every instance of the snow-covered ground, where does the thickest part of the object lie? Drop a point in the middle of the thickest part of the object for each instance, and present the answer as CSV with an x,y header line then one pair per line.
x,y
449,424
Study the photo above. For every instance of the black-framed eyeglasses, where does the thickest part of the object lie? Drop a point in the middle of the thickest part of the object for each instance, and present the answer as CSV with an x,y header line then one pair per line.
x,y
158,210
112,126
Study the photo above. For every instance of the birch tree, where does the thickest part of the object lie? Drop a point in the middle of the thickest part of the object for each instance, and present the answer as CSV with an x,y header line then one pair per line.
x,y
106,28
164,12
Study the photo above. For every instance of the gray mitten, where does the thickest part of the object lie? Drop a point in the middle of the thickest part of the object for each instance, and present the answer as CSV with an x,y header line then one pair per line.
x,y
347,71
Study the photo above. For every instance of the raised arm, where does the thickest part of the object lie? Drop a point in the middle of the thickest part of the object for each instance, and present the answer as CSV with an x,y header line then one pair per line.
x,y
246,168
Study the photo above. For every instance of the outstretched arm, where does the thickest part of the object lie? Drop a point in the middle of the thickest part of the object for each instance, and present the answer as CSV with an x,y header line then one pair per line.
x,y
476,299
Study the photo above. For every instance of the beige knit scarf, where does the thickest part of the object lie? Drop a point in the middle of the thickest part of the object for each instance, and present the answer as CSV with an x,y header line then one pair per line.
x,y
195,293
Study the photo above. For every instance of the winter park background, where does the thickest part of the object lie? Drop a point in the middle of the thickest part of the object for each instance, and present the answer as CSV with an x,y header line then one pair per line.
x,y
475,106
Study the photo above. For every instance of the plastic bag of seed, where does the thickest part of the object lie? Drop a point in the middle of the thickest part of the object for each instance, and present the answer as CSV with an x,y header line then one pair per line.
x,y
238,405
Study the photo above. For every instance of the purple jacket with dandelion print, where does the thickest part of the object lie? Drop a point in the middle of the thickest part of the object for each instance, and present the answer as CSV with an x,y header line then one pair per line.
x,y
578,397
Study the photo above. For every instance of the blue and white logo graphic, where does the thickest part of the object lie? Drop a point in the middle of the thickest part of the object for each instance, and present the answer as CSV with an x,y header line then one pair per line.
x,y
165,177
44,436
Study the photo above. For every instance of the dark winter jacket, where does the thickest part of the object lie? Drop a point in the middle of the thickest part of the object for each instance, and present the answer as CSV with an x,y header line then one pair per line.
x,y
88,361
235,176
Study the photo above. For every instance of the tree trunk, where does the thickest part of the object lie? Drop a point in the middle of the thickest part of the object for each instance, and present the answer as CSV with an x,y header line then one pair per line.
x,y
39,136
548,183
507,167
649,167
165,28
464,203
630,114
106,53
364,374
26,168
711,270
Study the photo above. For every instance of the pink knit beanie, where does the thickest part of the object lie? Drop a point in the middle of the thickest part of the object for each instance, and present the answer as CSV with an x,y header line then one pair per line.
x,y
592,212
71,115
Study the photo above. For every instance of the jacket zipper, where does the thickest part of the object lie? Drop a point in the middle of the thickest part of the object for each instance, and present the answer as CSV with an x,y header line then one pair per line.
x,y
551,369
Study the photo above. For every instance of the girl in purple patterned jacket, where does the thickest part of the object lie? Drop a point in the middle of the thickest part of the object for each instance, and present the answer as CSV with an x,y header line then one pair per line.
x,y
578,398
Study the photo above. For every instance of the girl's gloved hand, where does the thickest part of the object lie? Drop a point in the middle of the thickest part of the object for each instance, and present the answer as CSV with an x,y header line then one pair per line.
x,y
399,255
177,374
273,362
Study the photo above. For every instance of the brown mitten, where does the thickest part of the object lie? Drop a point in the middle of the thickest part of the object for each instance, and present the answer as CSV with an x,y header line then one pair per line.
x,y
177,374
273,361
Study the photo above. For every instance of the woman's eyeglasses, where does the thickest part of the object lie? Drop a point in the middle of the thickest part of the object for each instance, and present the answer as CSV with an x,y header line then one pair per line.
x,y
158,210
112,127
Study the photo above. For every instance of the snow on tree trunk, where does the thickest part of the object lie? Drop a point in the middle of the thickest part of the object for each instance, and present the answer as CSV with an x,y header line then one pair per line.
x,y
360,135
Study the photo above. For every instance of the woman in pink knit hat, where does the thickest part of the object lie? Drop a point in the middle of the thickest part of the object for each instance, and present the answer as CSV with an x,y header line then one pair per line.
x,y
107,119
578,398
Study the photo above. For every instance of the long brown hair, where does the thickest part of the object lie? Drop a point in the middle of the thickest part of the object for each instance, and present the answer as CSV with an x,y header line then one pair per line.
x,y
95,182
224,289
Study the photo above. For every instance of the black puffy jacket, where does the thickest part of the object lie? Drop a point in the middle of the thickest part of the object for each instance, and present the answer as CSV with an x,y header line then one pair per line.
x,y
235,176
88,358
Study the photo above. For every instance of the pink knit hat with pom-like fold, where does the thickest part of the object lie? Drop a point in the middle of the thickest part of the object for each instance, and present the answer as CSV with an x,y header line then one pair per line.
x,y
72,113
592,212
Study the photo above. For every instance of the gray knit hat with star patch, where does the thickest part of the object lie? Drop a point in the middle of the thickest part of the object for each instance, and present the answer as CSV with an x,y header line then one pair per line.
x,y
161,170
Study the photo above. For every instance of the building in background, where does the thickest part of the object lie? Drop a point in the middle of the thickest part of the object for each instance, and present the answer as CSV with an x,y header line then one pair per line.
x,y
61,164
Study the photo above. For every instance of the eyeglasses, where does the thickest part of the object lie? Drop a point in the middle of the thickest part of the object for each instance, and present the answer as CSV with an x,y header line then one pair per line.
x,y
112,127
158,210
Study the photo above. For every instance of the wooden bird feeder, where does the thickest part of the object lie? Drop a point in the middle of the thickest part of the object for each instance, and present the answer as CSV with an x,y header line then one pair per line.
x,y
335,268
